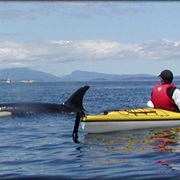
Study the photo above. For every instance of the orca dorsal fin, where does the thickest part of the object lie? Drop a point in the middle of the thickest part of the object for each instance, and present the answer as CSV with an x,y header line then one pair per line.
x,y
75,101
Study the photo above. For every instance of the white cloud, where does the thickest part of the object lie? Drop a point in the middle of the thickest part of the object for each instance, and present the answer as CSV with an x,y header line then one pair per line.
x,y
86,50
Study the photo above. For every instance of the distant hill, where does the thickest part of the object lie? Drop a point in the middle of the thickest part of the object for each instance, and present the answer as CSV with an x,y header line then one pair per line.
x,y
94,76
19,74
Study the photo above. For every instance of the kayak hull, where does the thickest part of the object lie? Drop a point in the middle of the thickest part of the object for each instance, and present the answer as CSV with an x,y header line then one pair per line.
x,y
131,119
101,127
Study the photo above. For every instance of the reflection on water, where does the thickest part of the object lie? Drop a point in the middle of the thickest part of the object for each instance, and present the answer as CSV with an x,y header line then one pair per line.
x,y
157,140
153,150
166,140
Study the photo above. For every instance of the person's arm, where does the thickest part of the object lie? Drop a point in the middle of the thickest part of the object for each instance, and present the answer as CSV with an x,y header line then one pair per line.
x,y
150,104
176,97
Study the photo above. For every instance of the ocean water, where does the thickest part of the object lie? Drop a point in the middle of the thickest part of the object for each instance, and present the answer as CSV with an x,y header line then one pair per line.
x,y
40,146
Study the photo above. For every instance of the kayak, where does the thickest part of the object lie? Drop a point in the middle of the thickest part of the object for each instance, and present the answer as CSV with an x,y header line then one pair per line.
x,y
129,119
120,120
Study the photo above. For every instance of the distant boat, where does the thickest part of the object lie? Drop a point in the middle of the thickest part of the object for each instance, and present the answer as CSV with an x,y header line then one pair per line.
x,y
8,80
27,81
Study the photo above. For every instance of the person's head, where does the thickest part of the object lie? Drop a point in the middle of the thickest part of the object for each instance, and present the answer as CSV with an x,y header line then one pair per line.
x,y
166,77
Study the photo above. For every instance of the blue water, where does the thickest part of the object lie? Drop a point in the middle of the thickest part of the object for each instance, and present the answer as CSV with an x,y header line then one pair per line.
x,y
40,146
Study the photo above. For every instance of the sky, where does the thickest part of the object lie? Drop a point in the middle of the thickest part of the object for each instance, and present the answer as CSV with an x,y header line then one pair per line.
x,y
113,37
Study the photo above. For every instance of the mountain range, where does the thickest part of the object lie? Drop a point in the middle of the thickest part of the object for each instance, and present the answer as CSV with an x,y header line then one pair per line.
x,y
20,74
95,76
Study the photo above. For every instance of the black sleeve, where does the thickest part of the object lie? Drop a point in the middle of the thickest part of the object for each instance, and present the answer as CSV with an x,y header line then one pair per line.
x,y
170,91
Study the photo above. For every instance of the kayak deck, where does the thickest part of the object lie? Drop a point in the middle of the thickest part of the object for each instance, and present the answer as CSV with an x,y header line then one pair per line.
x,y
129,119
133,114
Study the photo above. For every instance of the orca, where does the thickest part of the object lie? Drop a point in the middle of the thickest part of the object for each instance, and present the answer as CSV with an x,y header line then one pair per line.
x,y
73,104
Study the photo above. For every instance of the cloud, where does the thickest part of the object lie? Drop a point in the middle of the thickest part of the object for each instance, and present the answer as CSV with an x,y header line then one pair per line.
x,y
20,53
23,10
160,50
94,9
31,10
12,14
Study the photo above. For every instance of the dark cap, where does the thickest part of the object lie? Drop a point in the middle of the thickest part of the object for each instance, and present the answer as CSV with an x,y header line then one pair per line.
x,y
167,76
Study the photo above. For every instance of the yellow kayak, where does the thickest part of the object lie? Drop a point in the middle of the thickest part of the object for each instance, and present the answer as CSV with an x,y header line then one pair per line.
x,y
119,120
130,119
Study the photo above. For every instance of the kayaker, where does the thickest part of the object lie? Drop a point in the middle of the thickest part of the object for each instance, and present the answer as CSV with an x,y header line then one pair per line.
x,y
165,95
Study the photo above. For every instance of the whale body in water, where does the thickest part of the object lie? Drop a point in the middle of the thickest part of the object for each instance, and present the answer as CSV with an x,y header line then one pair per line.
x,y
72,104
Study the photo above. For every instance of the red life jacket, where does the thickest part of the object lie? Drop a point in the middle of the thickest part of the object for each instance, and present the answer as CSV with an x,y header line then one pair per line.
x,y
160,99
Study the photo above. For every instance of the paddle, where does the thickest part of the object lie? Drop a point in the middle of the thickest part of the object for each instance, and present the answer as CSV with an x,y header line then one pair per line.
x,y
76,126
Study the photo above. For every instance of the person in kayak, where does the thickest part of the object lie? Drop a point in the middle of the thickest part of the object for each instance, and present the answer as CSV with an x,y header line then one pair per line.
x,y
165,95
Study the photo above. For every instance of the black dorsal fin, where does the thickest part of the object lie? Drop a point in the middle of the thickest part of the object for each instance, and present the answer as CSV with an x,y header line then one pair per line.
x,y
75,101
